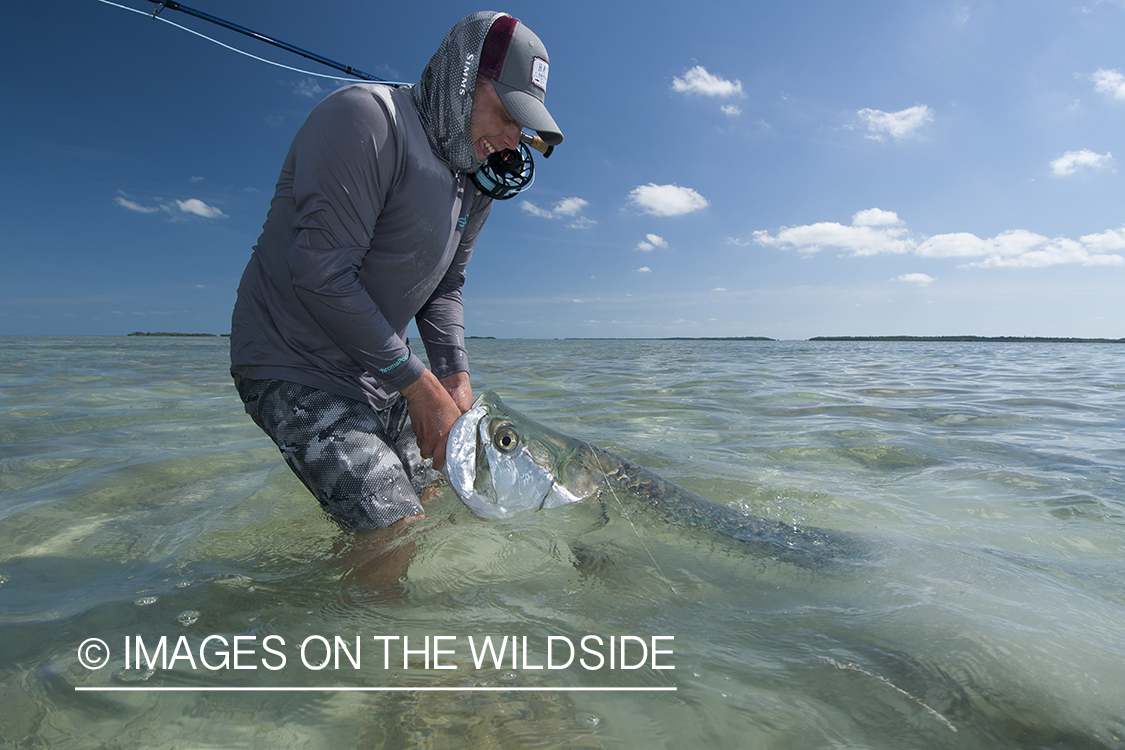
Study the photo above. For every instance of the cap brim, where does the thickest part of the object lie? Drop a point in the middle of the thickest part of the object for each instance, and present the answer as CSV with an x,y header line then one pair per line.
x,y
529,112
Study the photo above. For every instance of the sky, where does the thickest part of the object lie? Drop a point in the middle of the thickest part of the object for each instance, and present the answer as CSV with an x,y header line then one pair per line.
x,y
786,170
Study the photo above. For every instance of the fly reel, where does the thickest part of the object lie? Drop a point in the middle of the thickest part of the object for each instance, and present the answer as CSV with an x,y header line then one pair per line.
x,y
506,173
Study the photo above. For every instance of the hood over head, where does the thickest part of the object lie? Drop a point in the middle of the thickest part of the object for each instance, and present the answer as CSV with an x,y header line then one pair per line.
x,y
444,94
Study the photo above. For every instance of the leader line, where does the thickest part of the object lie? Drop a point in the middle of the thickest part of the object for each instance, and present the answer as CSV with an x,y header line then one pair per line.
x,y
479,689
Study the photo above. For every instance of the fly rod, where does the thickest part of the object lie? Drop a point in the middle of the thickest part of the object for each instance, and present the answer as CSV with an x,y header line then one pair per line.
x,y
534,141
173,5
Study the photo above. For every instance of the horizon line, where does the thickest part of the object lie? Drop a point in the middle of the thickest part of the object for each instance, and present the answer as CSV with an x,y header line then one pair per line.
x,y
951,338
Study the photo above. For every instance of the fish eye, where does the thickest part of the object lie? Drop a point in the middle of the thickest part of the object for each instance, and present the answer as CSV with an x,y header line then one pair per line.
x,y
505,437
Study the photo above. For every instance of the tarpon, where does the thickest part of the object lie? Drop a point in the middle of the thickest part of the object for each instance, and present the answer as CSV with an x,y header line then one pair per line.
x,y
993,659
500,462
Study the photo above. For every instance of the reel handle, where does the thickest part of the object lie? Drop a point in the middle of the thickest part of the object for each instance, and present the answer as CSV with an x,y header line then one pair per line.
x,y
537,143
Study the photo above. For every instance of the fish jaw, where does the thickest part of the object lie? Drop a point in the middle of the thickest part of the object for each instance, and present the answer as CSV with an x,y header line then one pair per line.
x,y
461,452
498,481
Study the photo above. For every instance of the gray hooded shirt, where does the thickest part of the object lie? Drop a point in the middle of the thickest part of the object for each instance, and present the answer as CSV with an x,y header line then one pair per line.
x,y
372,224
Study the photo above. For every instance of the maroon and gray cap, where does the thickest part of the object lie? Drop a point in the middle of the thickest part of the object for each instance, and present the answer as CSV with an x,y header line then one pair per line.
x,y
516,61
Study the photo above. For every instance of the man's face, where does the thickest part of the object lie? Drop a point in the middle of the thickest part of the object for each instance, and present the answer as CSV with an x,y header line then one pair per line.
x,y
490,125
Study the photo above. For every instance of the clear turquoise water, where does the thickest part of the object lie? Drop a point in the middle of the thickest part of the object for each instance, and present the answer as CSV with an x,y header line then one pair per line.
x,y
986,480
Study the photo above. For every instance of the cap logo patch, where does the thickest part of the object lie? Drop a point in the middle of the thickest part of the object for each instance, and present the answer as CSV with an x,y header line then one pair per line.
x,y
539,68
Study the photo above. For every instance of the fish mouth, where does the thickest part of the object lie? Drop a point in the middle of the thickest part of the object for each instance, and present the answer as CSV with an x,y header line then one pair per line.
x,y
461,451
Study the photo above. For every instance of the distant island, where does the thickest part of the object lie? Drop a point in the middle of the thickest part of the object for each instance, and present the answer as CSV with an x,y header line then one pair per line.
x,y
950,339
717,338
672,338
168,333
991,339
985,339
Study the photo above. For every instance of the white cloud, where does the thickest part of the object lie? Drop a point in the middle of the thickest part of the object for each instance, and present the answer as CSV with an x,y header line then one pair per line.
x,y
1110,82
651,242
567,207
699,81
878,232
199,208
570,206
898,125
644,269
1052,253
581,222
731,110
134,206
872,232
1012,243
190,206
954,245
875,217
311,88
1072,161
920,279
1111,239
667,200
534,210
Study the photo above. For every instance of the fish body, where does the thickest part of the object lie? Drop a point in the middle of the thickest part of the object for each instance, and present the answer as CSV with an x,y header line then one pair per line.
x,y
500,462
980,641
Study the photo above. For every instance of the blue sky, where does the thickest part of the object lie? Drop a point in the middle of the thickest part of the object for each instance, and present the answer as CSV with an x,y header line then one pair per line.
x,y
730,169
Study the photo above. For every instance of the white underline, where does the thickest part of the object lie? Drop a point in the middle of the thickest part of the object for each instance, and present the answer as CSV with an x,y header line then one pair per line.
x,y
160,689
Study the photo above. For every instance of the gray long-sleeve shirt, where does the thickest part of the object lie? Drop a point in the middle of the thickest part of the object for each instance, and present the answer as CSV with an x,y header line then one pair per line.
x,y
367,229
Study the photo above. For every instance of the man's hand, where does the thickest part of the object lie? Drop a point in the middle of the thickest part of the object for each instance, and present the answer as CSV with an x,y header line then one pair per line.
x,y
434,407
458,388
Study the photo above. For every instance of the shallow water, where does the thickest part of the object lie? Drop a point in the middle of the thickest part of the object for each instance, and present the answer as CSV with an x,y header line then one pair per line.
x,y
986,480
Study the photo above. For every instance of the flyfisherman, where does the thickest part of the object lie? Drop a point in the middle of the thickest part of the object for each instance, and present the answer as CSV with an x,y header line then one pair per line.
x,y
372,223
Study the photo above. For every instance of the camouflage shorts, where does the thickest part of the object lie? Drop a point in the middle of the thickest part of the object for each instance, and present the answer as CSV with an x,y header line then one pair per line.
x,y
362,465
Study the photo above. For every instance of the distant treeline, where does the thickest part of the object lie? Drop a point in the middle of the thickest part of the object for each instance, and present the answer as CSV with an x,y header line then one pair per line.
x,y
718,338
670,338
169,333
1000,339
996,339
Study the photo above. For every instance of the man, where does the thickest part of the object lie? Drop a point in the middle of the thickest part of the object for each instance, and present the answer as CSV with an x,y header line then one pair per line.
x,y
372,223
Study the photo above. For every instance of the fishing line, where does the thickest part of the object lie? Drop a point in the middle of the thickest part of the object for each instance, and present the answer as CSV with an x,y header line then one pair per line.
x,y
236,49
504,174
885,681
621,507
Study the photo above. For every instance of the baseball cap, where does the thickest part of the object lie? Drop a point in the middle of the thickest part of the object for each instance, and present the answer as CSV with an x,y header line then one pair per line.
x,y
516,61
